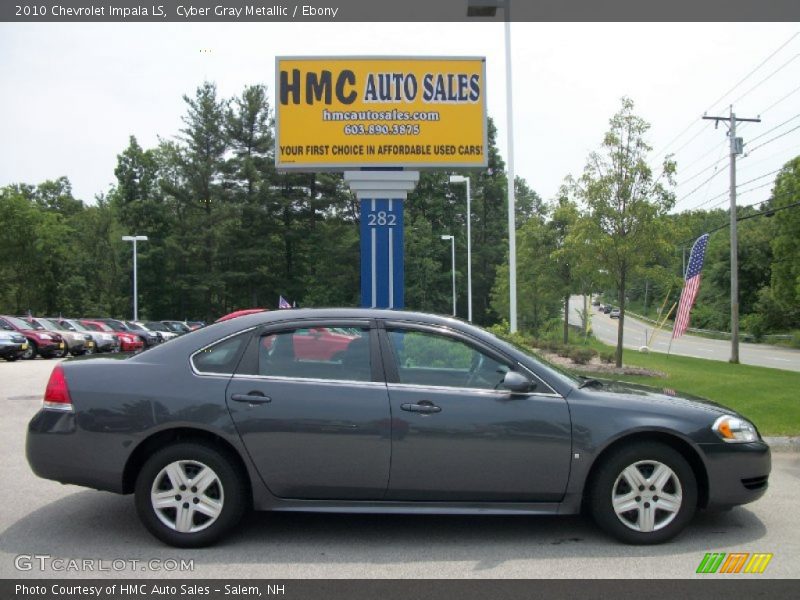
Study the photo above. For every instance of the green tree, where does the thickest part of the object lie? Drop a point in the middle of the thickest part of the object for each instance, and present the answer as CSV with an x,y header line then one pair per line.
x,y
625,203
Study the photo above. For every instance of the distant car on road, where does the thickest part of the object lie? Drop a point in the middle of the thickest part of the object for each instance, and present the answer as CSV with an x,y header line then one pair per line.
x,y
614,314
420,414
605,309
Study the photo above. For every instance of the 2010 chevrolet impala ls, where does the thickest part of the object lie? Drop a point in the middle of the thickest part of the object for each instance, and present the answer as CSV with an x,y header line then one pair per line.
x,y
408,413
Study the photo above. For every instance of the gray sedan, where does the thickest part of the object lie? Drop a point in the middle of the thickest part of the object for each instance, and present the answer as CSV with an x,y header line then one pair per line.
x,y
402,413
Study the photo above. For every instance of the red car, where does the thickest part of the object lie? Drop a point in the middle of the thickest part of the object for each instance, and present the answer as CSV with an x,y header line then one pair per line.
x,y
240,313
128,342
47,344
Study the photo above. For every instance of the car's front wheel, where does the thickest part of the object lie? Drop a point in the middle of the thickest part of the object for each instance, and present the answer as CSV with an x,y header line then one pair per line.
x,y
30,353
188,494
644,493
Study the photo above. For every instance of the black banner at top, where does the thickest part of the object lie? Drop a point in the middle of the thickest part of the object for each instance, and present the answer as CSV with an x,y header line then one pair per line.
x,y
397,10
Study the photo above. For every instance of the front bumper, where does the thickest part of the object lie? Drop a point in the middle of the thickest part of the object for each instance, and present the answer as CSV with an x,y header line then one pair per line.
x,y
14,349
737,473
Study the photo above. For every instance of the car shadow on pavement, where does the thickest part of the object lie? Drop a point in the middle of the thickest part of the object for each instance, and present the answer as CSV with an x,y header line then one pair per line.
x,y
102,525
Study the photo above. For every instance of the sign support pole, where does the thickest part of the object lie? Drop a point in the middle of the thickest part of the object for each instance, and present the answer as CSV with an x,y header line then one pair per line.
x,y
381,194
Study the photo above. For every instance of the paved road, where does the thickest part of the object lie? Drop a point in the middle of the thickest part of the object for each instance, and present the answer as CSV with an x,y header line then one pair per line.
x,y
636,332
67,522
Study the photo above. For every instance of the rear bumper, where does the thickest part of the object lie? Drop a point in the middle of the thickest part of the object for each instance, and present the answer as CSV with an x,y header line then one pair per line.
x,y
56,449
737,473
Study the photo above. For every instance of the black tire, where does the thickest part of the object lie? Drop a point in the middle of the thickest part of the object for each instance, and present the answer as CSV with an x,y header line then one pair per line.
x,y
609,481
230,491
11,357
31,352
60,353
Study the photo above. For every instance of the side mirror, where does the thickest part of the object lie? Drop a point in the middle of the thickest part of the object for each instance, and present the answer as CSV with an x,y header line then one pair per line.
x,y
517,383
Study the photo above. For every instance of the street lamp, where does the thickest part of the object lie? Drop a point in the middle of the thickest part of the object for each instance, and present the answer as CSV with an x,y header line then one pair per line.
x,y
462,179
452,239
134,239
488,8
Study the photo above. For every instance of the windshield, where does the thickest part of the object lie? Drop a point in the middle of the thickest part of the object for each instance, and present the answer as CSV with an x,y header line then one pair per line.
x,y
177,326
115,325
134,326
19,323
51,325
98,327
72,325
155,326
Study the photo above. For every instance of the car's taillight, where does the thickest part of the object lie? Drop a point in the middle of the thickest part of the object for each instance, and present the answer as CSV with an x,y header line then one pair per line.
x,y
56,395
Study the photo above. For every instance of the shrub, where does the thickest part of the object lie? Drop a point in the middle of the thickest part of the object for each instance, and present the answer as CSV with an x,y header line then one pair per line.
x,y
795,341
608,357
582,356
562,351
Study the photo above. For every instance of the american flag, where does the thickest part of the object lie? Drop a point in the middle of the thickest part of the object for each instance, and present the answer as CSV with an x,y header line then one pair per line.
x,y
691,285
283,303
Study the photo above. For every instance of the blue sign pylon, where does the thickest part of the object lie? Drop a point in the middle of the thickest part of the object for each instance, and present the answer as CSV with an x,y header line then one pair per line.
x,y
381,194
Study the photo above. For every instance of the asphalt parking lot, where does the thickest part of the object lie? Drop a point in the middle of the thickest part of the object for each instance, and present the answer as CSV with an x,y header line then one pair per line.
x,y
43,518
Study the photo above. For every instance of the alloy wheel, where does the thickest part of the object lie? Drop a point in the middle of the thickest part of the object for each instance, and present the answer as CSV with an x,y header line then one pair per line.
x,y
647,496
187,496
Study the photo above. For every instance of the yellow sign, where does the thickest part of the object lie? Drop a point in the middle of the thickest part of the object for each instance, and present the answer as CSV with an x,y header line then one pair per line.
x,y
340,113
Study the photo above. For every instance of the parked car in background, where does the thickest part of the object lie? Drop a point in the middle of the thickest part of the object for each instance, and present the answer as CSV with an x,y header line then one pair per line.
x,y
147,335
103,342
12,345
128,342
159,328
77,343
421,414
47,344
195,324
178,327
606,308
614,314
240,313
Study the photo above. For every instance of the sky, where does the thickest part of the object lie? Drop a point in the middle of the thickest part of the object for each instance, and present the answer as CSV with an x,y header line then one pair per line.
x,y
74,93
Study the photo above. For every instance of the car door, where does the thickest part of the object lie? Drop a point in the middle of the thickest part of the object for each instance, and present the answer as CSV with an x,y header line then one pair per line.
x,y
315,422
456,435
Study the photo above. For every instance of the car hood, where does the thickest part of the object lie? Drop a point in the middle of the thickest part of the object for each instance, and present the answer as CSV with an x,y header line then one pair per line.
x,y
635,392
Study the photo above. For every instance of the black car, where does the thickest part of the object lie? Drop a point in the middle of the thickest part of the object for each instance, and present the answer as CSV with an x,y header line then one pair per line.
x,y
416,413
149,338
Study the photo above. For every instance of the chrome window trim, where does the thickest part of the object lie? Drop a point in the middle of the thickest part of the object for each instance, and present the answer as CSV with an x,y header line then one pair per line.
x,y
446,388
280,378
206,347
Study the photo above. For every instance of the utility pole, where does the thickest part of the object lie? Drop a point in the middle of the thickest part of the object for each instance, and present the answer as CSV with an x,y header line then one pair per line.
x,y
736,148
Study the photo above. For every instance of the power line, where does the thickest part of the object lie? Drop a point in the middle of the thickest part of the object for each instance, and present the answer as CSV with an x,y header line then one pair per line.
x,y
769,141
774,128
740,82
761,64
774,104
767,78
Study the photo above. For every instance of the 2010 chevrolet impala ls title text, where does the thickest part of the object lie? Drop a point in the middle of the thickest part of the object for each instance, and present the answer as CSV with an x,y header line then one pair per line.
x,y
357,410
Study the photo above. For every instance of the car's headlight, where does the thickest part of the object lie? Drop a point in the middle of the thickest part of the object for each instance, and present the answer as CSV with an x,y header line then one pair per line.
x,y
734,429
45,336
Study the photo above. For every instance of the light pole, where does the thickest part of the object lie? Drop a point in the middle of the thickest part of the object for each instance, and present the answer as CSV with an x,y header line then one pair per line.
x,y
134,239
462,179
488,8
452,239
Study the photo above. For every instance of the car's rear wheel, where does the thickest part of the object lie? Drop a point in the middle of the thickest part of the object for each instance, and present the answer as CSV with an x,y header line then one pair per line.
x,y
189,495
644,493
